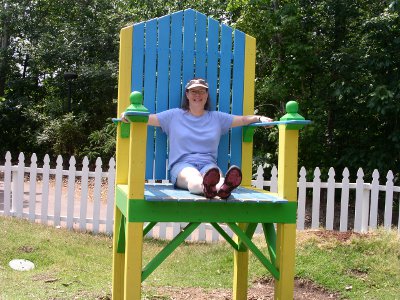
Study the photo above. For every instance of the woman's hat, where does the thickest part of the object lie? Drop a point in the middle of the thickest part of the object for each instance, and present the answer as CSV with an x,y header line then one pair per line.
x,y
198,82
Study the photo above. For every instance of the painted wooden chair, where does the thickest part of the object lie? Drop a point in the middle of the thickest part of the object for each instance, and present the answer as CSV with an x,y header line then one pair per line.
x,y
157,58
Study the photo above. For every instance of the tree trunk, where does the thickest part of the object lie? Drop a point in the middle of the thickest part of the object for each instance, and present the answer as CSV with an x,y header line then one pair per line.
x,y
4,43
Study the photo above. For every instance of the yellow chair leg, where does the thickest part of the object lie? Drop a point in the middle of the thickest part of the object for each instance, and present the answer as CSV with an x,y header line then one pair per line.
x,y
240,271
285,260
286,233
240,275
118,261
133,261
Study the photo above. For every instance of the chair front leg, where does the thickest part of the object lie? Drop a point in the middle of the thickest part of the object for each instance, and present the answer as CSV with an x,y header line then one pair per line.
x,y
118,260
240,270
133,261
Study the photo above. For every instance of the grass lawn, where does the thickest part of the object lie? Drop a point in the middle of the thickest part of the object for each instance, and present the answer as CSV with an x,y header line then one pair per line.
x,y
71,265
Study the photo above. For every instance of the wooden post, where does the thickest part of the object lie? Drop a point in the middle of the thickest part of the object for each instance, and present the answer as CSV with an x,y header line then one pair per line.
x,y
240,271
122,151
134,231
130,170
287,189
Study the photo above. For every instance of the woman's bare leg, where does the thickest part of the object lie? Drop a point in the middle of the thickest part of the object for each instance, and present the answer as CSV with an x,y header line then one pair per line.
x,y
190,179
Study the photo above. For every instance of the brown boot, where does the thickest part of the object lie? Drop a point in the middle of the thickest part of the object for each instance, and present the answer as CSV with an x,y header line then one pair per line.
x,y
233,178
210,180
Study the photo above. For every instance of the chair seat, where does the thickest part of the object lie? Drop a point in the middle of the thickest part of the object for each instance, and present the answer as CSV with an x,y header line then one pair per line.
x,y
164,203
163,192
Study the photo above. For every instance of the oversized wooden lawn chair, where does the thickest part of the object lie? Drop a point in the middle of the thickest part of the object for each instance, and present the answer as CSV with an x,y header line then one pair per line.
x,y
157,58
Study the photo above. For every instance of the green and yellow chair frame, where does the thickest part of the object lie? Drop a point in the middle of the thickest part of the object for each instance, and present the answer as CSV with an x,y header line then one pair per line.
x,y
157,58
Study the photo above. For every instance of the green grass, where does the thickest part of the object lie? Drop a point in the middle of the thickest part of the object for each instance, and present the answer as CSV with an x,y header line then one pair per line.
x,y
362,267
72,265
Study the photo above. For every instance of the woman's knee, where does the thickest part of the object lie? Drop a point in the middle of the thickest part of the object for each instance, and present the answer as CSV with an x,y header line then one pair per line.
x,y
195,186
189,178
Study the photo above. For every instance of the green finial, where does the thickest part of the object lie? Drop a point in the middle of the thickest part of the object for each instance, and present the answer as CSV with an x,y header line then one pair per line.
x,y
292,108
136,99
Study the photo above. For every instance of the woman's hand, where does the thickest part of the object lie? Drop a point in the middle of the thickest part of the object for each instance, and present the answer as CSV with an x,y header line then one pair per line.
x,y
247,120
264,119
123,118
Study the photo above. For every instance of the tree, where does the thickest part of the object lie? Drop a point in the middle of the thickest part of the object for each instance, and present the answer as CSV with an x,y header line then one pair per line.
x,y
338,60
43,39
75,36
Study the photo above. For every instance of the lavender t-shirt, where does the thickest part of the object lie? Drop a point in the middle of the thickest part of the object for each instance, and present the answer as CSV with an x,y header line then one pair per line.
x,y
194,139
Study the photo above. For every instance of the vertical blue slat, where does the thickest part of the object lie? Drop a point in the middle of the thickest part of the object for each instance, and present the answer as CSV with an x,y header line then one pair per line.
x,y
212,60
201,26
188,46
137,57
225,91
237,95
176,60
162,94
150,88
225,69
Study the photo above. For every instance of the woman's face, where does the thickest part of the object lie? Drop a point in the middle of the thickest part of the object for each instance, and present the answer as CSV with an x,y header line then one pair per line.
x,y
197,97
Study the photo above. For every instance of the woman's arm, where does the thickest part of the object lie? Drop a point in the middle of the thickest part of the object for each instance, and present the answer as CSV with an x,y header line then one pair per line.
x,y
246,120
153,120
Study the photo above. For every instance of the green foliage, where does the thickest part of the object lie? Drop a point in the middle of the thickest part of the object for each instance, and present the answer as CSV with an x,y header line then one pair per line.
x,y
338,58
63,133
101,143
146,10
77,36
82,37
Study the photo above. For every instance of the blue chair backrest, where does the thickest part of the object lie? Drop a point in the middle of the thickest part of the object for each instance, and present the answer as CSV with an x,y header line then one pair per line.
x,y
169,51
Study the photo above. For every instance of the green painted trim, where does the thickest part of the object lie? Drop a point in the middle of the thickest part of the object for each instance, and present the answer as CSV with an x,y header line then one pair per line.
x,y
138,119
207,212
121,236
250,229
121,200
168,249
270,237
253,248
125,130
149,227
248,133
225,235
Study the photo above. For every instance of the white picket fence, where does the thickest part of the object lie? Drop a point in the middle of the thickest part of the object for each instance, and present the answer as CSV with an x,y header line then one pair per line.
x,y
84,200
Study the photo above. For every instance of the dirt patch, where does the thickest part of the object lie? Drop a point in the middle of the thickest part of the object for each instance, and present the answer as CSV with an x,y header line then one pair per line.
x,y
341,237
262,289
26,249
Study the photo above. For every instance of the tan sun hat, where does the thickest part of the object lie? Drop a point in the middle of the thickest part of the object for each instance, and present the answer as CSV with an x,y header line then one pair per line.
x,y
197,82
